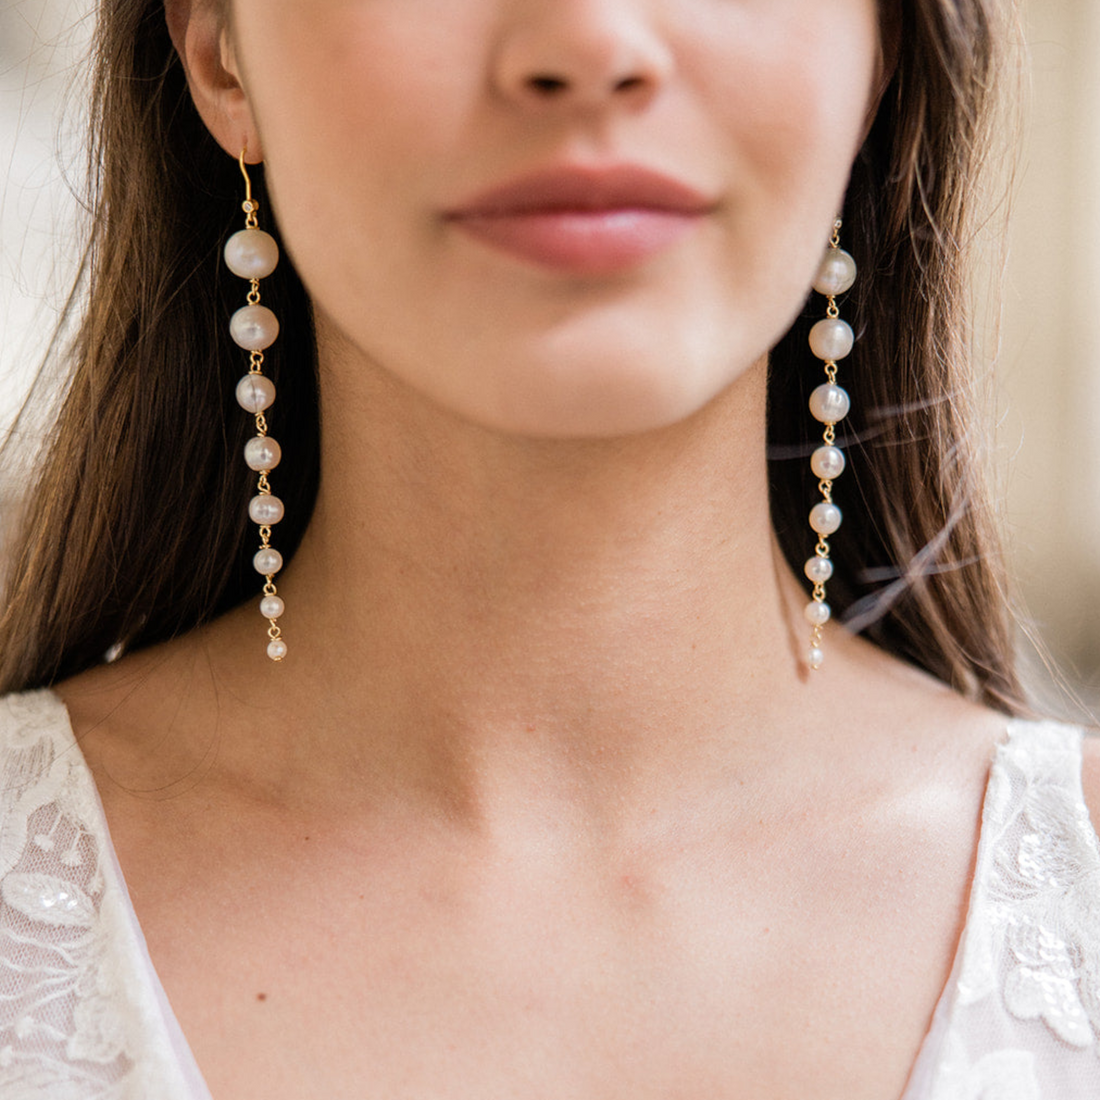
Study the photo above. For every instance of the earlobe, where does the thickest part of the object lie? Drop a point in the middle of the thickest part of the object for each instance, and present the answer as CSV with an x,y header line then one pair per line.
x,y
201,36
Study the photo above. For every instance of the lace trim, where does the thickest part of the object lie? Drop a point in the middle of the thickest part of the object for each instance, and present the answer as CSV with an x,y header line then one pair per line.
x,y
1031,952
77,1018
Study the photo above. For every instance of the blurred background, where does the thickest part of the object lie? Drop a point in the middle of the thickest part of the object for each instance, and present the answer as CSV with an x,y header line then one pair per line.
x,y
1039,333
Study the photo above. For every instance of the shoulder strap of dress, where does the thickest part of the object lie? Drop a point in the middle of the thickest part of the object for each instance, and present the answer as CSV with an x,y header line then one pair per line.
x,y
28,718
1044,749
1040,756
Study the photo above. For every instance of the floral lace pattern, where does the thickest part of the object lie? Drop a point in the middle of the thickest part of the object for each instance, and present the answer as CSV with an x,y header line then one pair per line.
x,y
78,1019
1020,1019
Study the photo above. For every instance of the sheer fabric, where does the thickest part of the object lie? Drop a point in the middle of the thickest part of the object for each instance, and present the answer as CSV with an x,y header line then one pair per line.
x,y
83,1014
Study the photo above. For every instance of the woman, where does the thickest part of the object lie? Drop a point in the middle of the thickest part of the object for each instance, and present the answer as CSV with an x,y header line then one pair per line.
x,y
521,782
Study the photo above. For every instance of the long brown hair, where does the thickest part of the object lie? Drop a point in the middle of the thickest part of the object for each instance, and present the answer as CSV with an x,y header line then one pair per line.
x,y
137,528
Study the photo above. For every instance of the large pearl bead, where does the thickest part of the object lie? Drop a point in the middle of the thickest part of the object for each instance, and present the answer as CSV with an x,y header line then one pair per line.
x,y
832,339
265,509
262,453
818,570
276,649
830,403
825,518
267,561
251,254
836,274
254,328
817,614
255,393
272,607
827,463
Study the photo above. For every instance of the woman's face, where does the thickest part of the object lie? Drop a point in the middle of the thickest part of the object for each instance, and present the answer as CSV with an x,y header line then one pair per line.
x,y
384,123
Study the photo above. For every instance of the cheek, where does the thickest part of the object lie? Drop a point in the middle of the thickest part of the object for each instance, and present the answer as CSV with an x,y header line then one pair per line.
x,y
349,98
793,89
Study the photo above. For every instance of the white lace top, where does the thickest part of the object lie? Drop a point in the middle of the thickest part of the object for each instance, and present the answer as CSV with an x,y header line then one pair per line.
x,y
83,1015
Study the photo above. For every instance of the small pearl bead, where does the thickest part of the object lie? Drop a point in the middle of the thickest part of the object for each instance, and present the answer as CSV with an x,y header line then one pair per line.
x,y
817,614
817,657
829,403
836,274
830,339
819,570
251,254
272,607
827,462
262,453
267,562
265,509
254,327
276,649
825,518
255,393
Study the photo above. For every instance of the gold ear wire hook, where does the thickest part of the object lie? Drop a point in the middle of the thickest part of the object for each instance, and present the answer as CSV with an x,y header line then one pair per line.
x,y
244,172
250,205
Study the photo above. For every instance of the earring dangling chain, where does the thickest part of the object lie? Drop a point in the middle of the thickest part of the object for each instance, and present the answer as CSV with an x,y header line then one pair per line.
x,y
830,339
253,254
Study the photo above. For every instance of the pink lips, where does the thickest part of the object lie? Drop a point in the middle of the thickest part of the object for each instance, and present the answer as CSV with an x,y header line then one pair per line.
x,y
588,220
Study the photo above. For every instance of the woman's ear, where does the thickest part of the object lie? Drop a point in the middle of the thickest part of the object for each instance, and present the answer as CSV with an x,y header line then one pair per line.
x,y
200,33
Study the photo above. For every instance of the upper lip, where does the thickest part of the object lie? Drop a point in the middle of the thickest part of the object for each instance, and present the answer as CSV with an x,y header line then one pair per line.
x,y
586,187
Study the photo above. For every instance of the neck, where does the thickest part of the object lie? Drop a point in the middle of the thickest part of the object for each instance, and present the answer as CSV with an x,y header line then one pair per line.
x,y
486,617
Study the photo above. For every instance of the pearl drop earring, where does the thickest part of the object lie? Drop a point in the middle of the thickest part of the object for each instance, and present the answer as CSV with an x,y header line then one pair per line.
x,y
253,254
830,339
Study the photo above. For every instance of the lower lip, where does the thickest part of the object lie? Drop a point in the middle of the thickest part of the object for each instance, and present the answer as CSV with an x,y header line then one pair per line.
x,y
597,242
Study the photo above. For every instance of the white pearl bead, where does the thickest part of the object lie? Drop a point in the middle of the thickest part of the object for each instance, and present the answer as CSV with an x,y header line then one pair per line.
x,y
827,463
836,274
254,327
829,403
272,607
817,657
817,614
825,518
265,509
819,570
831,339
255,393
267,562
251,254
262,453
276,649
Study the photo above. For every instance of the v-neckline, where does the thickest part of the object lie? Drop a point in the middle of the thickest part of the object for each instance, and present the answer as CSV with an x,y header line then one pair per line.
x,y
920,1073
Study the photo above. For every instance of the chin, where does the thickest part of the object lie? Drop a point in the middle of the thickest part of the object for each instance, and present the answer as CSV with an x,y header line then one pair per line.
x,y
609,409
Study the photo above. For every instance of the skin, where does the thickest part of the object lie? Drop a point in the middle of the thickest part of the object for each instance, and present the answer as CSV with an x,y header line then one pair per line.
x,y
543,800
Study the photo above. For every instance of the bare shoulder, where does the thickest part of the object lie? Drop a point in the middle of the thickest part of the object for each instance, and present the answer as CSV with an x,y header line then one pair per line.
x,y
913,708
1090,776
134,718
